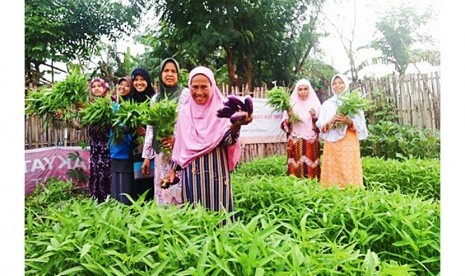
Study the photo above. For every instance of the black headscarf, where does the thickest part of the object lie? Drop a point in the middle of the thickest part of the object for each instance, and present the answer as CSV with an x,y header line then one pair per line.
x,y
140,97
170,93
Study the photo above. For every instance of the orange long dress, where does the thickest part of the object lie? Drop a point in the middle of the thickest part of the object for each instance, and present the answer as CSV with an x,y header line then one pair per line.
x,y
341,162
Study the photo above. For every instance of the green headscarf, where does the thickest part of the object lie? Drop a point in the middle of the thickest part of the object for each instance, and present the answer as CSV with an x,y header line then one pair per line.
x,y
165,91
170,93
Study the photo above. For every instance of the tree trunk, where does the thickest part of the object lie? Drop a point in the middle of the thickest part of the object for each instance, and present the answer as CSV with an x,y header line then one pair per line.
x,y
230,65
249,72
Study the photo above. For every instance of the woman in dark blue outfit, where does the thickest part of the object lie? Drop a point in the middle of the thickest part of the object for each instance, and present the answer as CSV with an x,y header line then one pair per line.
x,y
125,151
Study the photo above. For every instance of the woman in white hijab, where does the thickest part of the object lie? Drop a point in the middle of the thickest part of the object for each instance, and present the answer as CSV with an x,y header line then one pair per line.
x,y
341,161
303,146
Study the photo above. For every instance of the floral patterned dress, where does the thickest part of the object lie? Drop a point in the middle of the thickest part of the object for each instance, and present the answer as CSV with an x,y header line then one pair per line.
x,y
172,195
100,169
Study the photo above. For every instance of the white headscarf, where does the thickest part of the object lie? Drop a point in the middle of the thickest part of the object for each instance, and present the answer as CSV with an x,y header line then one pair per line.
x,y
328,110
301,108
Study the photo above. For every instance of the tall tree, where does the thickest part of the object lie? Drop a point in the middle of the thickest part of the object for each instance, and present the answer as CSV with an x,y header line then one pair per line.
x,y
64,30
245,35
401,40
346,33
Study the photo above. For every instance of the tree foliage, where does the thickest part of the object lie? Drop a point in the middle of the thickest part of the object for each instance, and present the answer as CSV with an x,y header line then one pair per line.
x,y
400,38
259,41
64,30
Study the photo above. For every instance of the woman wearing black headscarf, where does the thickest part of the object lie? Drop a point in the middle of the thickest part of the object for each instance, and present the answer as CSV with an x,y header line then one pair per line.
x,y
172,90
141,88
126,153
141,91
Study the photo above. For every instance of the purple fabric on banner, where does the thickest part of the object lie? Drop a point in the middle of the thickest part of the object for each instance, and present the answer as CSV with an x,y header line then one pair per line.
x,y
43,163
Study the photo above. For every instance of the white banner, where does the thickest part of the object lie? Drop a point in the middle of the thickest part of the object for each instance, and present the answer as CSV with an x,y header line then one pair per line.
x,y
265,127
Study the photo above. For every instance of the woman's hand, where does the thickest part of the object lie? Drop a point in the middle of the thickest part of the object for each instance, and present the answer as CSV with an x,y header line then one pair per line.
x,y
146,166
168,142
140,131
286,126
340,118
247,119
313,114
326,127
168,180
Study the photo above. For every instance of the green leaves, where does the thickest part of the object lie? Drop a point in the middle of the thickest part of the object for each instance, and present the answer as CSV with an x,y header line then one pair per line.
x,y
129,116
352,103
278,99
283,226
162,116
395,141
98,112
61,98
63,30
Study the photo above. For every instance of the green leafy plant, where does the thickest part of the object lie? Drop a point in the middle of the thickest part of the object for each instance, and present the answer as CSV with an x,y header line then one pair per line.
x,y
279,100
79,176
282,225
350,104
162,116
129,116
63,98
382,108
390,140
98,112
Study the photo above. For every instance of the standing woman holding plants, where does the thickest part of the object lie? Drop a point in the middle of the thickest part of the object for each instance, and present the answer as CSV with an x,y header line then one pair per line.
x,y
303,146
169,89
342,163
126,151
99,161
206,147
124,88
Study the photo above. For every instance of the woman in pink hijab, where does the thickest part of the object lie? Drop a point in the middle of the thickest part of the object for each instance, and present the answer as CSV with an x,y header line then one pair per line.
x,y
205,146
303,147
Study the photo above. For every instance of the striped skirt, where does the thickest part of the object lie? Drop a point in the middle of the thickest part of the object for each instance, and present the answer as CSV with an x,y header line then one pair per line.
x,y
206,181
303,158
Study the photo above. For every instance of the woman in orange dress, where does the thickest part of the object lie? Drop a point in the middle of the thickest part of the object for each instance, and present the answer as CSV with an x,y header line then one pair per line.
x,y
303,146
341,161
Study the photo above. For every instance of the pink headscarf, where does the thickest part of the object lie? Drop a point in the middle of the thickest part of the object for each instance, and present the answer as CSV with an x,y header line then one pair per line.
x,y
102,82
302,108
199,130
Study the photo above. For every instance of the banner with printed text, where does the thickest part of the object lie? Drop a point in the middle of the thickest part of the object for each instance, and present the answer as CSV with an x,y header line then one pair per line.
x,y
265,127
43,163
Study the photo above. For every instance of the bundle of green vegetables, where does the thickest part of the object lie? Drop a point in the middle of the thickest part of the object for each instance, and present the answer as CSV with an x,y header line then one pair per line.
x,y
37,103
280,100
63,98
98,112
129,116
162,115
350,104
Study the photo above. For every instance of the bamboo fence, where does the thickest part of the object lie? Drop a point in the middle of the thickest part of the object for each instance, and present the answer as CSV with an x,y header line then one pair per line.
x,y
416,97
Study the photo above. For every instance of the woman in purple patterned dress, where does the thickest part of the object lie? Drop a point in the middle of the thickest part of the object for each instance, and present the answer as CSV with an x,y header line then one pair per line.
x,y
99,161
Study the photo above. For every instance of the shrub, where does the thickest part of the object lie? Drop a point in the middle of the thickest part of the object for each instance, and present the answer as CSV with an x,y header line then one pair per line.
x,y
393,141
419,177
284,225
